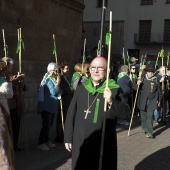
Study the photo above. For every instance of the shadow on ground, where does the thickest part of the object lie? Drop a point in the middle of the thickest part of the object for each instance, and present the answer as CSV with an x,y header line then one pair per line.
x,y
158,161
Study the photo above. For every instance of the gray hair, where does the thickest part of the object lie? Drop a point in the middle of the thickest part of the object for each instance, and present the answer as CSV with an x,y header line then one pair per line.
x,y
9,60
124,68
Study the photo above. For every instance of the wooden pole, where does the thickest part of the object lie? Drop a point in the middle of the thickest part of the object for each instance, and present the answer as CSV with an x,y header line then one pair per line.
x,y
105,103
84,50
4,45
163,99
157,60
167,60
19,41
61,106
140,74
98,49
133,110
102,26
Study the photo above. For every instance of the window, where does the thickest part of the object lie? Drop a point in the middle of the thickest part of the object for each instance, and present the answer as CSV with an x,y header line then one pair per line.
x,y
167,1
167,30
100,3
145,30
146,2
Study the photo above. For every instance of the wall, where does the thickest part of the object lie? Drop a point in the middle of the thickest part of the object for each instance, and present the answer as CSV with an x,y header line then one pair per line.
x,y
39,20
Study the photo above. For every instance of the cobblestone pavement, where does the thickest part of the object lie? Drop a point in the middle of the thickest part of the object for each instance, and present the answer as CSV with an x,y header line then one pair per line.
x,y
135,152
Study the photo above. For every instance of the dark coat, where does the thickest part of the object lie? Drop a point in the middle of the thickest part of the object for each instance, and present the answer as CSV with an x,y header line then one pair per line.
x,y
148,99
166,85
66,95
126,84
86,135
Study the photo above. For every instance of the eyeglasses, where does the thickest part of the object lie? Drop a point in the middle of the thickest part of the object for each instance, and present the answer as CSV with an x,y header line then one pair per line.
x,y
133,68
98,68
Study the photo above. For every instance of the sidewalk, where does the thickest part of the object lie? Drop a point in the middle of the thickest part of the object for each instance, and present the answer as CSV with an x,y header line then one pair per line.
x,y
135,152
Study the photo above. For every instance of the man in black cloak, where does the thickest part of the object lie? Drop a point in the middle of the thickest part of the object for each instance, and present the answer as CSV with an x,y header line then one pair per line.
x,y
83,126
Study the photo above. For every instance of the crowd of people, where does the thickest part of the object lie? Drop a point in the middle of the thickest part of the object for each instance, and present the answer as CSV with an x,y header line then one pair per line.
x,y
78,106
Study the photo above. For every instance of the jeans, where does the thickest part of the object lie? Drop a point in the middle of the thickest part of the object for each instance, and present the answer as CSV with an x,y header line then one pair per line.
x,y
157,113
147,120
47,121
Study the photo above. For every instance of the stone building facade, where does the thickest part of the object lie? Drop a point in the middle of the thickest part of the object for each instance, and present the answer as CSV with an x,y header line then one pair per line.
x,y
39,20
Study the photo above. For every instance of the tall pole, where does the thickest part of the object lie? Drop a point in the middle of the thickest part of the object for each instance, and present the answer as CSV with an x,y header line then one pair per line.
x,y
102,26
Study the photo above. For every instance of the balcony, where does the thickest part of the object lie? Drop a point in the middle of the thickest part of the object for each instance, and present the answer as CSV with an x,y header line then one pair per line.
x,y
154,38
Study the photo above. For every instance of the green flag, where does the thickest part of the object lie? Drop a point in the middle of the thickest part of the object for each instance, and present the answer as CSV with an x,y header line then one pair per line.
x,y
84,58
107,40
20,43
6,48
55,48
162,53
128,58
123,55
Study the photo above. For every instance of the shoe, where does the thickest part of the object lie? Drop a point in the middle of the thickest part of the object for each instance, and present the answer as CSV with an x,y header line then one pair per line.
x,y
122,122
156,122
50,145
143,131
149,135
16,148
43,147
59,140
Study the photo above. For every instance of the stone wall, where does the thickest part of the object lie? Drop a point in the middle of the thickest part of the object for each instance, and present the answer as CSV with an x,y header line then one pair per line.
x,y
39,20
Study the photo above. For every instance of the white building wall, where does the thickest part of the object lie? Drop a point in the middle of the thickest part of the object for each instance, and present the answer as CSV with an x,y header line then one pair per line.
x,y
131,12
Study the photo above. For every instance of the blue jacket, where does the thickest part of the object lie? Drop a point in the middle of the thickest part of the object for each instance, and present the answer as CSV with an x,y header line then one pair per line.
x,y
51,94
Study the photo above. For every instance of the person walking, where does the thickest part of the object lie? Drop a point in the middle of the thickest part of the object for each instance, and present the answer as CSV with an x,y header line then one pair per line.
x,y
48,98
149,99
83,126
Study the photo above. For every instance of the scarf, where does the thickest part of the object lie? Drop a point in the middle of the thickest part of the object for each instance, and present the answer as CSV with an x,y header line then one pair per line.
x,y
120,75
92,89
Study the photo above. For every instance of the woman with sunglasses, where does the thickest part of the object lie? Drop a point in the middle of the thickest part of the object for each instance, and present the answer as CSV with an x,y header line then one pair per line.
x,y
133,77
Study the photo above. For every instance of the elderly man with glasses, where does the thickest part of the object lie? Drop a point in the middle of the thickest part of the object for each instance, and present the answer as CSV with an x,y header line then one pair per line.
x,y
83,126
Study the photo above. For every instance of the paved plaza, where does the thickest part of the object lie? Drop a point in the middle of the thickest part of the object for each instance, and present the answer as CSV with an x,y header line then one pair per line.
x,y
135,152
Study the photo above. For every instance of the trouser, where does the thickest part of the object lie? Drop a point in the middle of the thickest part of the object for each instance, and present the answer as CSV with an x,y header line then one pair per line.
x,y
15,126
147,120
47,121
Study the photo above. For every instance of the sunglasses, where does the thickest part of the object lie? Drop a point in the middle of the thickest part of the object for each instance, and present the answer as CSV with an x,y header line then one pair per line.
x,y
133,68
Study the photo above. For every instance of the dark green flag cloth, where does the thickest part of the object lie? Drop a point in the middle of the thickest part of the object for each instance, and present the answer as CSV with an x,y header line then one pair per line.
x,y
92,89
2,80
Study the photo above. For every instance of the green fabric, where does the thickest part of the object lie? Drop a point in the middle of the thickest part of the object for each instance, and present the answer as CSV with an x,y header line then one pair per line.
x,y
134,76
75,75
108,37
162,53
96,111
92,89
47,75
6,48
120,75
55,48
123,54
20,43
128,58
84,78
84,58
2,80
